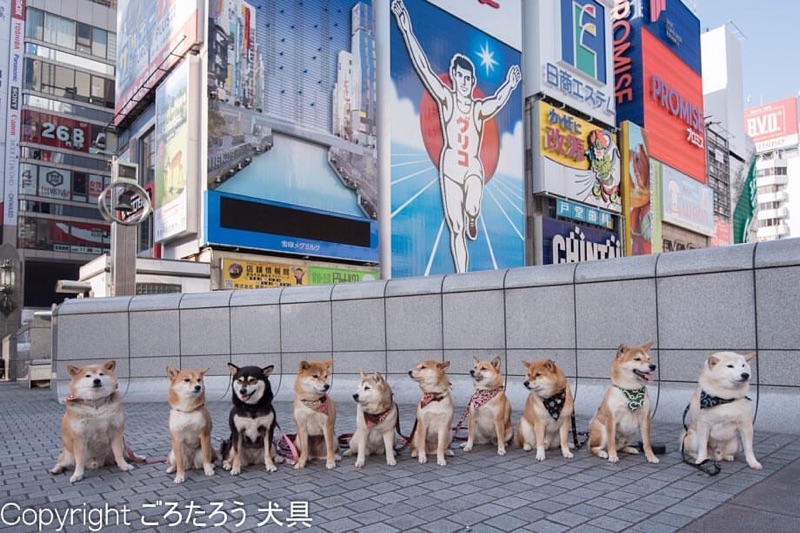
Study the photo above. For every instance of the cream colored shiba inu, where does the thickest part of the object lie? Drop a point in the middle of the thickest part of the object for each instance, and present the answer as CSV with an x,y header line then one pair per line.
x,y
489,408
94,423
315,415
435,411
721,412
189,424
548,409
376,419
626,406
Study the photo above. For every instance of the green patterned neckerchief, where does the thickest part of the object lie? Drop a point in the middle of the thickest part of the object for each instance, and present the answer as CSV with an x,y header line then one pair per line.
x,y
635,397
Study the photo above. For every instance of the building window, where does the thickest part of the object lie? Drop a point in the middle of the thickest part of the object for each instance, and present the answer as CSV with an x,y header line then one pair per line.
x,y
59,31
99,42
34,24
148,147
84,41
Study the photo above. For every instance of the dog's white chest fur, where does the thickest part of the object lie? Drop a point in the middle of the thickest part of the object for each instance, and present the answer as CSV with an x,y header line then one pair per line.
x,y
249,427
96,424
188,426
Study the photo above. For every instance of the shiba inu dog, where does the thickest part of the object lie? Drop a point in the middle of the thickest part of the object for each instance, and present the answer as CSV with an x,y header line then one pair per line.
x,y
252,420
314,415
189,424
376,419
720,409
94,423
548,409
489,408
435,411
625,407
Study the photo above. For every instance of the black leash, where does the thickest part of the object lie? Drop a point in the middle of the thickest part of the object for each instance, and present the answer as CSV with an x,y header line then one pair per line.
x,y
709,466
585,434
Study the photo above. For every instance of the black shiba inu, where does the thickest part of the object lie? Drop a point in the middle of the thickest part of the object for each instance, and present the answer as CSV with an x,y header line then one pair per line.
x,y
252,421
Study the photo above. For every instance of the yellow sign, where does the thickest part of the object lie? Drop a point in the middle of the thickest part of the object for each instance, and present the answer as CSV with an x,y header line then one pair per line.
x,y
564,137
260,275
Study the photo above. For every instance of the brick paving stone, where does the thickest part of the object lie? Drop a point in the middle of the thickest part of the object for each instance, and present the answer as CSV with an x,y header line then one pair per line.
x,y
545,526
609,523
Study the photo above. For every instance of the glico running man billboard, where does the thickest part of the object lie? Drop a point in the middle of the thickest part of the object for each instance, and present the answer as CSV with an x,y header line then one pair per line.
x,y
457,191
291,158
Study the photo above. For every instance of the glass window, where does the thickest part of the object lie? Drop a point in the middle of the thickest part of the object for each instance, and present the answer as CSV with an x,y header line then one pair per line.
x,y
65,78
148,158
83,82
34,24
109,94
98,87
84,41
33,74
99,42
111,53
79,187
59,31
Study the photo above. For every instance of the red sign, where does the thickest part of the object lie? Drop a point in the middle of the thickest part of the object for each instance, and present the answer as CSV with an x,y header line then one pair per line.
x,y
772,121
673,109
61,132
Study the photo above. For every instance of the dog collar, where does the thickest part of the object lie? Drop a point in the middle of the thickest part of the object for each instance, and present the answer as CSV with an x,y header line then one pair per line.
x,y
320,406
555,403
481,397
373,420
190,410
635,397
429,397
707,401
93,403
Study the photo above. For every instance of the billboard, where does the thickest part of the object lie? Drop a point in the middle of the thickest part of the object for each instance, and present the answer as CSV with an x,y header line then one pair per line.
x,y
292,127
61,132
673,109
641,194
773,126
686,203
571,56
247,274
12,128
151,38
457,192
565,242
575,159
174,156
5,48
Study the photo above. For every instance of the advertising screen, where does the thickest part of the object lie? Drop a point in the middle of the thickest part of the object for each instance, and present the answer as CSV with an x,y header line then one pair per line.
x,y
564,242
151,38
687,203
640,193
457,192
62,132
291,126
575,159
773,125
673,109
249,274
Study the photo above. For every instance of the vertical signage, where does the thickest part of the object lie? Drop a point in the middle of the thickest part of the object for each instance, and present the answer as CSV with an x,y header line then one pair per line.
x,y
14,121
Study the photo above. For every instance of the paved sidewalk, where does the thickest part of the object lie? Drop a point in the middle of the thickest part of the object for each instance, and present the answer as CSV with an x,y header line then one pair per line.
x,y
477,491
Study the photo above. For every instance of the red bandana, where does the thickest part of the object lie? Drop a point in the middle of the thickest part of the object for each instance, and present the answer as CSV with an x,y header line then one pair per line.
x,y
320,406
429,397
374,420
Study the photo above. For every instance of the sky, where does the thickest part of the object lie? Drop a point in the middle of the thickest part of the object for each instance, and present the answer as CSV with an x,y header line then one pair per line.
x,y
770,64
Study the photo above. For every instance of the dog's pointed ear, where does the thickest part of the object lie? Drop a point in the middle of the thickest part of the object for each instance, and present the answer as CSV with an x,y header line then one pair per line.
x,y
203,372
110,365
647,346
378,377
621,350
304,365
267,370
73,369
171,371
444,365
712,361
233,368
496,362
526,364
750,356
475,358
328,363
550,365
363,375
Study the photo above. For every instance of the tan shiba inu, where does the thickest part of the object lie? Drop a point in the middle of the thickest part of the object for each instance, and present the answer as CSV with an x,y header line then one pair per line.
x,y
720,409
548,409
94,423
489,408
376,418
626,406
435,412
189,424
315,415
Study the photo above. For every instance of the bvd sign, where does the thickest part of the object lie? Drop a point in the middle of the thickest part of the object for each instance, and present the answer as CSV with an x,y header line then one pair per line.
x,y
773,125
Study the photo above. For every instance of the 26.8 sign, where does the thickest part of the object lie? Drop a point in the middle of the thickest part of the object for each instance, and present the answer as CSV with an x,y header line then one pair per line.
x,y
61,132
74,137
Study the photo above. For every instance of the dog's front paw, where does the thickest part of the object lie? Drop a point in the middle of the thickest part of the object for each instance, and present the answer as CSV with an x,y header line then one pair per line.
x,y
653,459
602,454
226,465
56,470
540,454
331,465
299,464
126,467
235,471
422,458
271,468
359,464
501,450
391,461
754,465
613,458
566,453
527,447
467,446
74,478
208,469
440,461
179,479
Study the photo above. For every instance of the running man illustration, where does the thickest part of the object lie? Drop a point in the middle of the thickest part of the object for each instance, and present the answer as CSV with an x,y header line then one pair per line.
x,y
462,118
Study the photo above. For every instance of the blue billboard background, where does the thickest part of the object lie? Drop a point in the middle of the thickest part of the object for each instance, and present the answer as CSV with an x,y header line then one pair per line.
x,y
420,235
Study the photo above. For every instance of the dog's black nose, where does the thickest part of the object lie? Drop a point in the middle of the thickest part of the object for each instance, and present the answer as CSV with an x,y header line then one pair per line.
x,y
409,374
197,387
242,391
745,375
527,383
355,396
97,381
472,373
326,387
652,367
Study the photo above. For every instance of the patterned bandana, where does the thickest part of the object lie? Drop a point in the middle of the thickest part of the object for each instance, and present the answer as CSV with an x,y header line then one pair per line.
x,y
635,397
707,401
481,397
429,397
320,406
374,420
555,403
